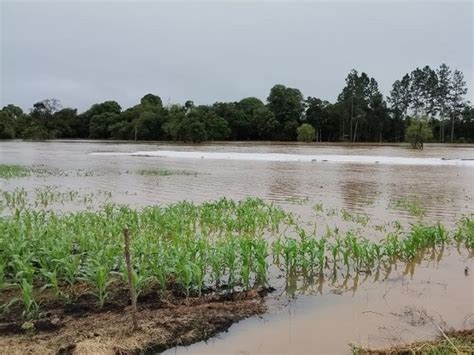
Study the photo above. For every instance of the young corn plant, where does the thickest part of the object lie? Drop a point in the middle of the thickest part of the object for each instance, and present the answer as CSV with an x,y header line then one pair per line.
x,y
97,275
246,260
260,247
52,282
30,305
184,272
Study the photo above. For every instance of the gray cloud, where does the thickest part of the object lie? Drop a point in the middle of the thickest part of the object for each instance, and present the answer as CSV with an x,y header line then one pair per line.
x,y
87,52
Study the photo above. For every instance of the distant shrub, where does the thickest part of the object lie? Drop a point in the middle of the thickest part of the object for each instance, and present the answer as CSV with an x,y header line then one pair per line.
x,y
418,132
306,133
36,133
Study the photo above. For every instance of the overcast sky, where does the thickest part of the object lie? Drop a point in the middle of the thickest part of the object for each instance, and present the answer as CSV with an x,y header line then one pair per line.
x,y
84,52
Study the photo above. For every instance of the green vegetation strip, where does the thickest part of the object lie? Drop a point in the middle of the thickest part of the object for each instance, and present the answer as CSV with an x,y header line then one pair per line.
x,y
163,172
186,247
413,207
8,171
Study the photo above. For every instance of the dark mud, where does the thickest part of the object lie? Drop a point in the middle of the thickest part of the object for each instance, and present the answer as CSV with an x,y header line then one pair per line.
x,y
82,328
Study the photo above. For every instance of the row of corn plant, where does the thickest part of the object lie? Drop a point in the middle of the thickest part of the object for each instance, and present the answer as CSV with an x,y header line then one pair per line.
x,y
46,196
306,252
184,247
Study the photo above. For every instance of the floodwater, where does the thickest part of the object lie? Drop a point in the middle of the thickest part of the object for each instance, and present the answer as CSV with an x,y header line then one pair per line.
x,y
321,316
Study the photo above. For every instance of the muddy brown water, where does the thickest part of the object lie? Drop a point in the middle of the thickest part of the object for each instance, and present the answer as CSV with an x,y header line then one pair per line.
x,y
323,316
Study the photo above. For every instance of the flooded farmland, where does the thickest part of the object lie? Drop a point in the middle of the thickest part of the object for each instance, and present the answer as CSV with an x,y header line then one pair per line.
x,y
323,185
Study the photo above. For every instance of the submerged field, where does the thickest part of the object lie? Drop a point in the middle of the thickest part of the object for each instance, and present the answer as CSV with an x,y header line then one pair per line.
x,y
305,245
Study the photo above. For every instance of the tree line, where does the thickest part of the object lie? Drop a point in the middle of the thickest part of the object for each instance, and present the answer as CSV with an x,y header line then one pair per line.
x,y
431,100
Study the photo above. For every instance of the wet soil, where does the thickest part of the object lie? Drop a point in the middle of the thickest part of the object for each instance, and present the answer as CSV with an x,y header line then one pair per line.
x,y
164,322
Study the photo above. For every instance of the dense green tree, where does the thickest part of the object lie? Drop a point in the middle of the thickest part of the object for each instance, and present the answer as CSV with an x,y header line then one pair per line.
x,y
400,96
465,125
151,100
98,117
316,113
247,119
400,101
192,130
104,107
442,95
263,123
36,132
148,126
216,127
377,120
7,127
237,120
287,104
429,89
65,123
417,92
359,114
185,127
44,110
13,111
360,104
260,120
100,125
12,122
437,94
455,100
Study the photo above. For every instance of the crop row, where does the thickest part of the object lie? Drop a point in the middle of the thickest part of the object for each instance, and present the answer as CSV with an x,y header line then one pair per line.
x,y
306,253
183,246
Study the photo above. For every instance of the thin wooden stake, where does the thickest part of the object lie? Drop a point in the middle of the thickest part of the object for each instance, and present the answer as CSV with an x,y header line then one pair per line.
x,y
126,235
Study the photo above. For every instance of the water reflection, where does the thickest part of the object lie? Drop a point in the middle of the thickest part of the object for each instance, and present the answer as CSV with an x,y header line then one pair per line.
x,y
357,188
283,182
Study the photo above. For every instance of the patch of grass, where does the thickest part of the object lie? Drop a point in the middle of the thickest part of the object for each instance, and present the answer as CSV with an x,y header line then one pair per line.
x,y
318,207
163,172
455,342
465,231
8,171
413,207
359,218
297,200
330,212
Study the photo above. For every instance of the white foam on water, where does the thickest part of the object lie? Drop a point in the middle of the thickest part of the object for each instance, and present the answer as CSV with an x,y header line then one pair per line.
x,y
278,157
